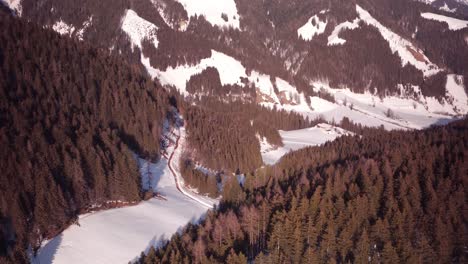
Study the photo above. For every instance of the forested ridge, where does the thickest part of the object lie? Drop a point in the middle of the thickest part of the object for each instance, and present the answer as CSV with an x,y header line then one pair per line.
x,y
71,118
390,197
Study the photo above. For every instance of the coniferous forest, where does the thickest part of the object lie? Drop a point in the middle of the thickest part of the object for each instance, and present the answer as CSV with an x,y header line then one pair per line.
x,y
390,197
80,116
71,116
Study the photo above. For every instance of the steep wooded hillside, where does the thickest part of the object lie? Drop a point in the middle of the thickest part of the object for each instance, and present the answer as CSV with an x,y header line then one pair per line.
x,y
72,118
390,197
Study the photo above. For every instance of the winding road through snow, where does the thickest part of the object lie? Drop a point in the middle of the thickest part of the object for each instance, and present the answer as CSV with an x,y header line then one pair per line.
x,y
177,178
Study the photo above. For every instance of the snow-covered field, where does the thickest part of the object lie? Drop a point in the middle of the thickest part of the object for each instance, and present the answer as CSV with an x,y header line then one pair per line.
x,y
453,23
213,10
297,139
313,27
119,235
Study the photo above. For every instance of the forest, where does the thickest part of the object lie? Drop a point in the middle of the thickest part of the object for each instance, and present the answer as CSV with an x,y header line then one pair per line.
x,y
388,197
72,119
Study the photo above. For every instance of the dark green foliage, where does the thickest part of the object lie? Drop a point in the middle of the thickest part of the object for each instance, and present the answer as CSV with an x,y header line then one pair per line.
x,y
390,197
224,134
71,116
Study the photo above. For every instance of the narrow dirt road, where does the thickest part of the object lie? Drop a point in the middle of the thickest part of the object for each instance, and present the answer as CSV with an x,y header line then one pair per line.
x,y
176,178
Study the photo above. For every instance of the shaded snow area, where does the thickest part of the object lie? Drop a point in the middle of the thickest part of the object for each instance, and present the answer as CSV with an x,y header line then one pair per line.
x,y
14,5
313,27
214,11
297,139
138,29
119,235
63,28
453,23
334,38
404,48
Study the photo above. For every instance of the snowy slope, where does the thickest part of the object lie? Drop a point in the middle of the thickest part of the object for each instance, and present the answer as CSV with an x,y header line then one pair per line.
x,y
119,235
313,27
297,139
14,5
213,11
334,38
405,49
453,23
230,71
138,29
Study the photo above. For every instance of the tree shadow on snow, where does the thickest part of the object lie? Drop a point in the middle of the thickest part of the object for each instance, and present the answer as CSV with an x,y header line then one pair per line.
x,y
47,253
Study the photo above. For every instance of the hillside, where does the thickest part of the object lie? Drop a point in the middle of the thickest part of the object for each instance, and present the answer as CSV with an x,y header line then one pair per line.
x,y
72,120
315,121
392,197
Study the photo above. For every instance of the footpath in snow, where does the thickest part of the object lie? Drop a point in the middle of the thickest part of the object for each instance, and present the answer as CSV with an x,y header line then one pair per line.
x,y
119,235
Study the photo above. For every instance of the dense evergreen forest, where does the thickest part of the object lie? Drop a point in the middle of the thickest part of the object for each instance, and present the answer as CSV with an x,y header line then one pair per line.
x,y
71,116
389,197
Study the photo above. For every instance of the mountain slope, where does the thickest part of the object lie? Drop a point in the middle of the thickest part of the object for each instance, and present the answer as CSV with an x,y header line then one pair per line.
x,y
72,119
390,197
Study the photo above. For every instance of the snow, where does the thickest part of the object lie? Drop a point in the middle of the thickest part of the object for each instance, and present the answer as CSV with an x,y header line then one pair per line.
x,y
14,5
213,10
457,92
230,71
400,45
446,8
138,29
334,38
85,26
63,28
309,30
453,23
119,235
297,139
411,112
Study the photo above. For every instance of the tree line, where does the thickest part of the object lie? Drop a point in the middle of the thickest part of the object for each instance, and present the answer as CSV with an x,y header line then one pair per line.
x,y
72,119
388,197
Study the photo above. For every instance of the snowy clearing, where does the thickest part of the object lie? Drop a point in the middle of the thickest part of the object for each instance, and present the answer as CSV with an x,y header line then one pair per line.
x,y
230,71
334,38
297,139
138,29
453,23
404,48
119,235
14,5
313,27
214,11
63,28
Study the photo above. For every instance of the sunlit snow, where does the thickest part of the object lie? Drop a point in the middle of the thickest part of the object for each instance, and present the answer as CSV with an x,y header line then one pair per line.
x,y
297,139
63,28
313,27
405,49
453,23
14,5
213,11
138,29
334,38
